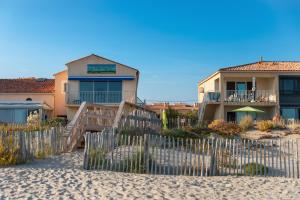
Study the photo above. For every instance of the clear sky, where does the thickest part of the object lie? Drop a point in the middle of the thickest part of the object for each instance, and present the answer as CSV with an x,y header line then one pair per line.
x,y
174,44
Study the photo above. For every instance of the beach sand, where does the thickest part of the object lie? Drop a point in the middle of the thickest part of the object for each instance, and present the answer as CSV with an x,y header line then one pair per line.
x,y
62,177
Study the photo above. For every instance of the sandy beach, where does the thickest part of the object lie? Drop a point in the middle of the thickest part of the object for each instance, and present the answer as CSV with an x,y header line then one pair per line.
x,y
62,177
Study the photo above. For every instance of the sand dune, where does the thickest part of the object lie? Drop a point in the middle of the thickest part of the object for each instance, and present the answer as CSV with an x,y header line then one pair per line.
x,y
62,177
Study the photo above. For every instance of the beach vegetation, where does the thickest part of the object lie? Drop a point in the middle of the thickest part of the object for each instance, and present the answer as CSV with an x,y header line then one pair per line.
x,y
246,123
225,128
10,154
265,125
252,169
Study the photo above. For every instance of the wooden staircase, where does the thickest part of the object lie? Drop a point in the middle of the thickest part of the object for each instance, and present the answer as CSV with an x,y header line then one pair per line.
x,y
95,118
202,108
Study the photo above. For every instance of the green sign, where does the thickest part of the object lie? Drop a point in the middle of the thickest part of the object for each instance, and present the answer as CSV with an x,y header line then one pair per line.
x,y
101,68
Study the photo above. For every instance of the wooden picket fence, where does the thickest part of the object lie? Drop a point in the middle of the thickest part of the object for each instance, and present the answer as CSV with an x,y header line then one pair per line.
x,y
155,154
25,146
180,122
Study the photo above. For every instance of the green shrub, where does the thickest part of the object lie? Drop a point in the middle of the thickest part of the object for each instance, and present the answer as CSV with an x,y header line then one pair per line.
x,y
250,169
246,123
224,128
265,125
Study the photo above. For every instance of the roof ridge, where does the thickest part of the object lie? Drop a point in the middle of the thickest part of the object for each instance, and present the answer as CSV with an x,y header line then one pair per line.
x,y
104,59
255,63
234,66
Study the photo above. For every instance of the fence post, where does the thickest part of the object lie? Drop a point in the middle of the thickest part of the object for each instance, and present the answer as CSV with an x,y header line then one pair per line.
x,y
85,154
297,160
146,153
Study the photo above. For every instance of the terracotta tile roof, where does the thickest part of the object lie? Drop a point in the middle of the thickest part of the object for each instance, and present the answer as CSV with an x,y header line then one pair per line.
x,y
266,66
26,85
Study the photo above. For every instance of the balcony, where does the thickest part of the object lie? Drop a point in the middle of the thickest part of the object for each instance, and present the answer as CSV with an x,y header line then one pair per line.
x,y
212,97
95,97
244,96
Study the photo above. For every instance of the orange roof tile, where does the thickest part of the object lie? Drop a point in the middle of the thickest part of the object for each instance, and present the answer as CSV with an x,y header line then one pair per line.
x,y
266,66
27,85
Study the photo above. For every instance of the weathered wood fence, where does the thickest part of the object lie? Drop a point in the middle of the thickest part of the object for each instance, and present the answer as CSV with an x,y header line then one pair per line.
x,y
154,154
25,146
180,122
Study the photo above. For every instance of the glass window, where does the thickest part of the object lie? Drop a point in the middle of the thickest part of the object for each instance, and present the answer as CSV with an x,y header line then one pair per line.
x,y
101,91
20,116
86,86
289,113
65,87
115,86
241,86
100,86
6,116
288,86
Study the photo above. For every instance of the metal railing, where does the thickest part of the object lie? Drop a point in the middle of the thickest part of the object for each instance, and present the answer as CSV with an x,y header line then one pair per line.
x,y
250,96
212,96
95,97
209,97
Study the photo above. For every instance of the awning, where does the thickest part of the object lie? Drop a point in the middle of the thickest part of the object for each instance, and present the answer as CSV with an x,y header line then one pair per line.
x,y
24,104
101,78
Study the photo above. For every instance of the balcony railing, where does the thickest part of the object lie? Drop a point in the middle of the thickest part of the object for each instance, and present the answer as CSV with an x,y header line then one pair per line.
x,y
212,96
107,97
250,96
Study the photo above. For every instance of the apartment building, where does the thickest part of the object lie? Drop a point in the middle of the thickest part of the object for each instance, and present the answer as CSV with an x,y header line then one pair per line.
x,y
271,86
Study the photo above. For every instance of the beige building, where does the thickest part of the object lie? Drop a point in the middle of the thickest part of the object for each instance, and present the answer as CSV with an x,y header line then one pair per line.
x,y
95,79
273,87
92,79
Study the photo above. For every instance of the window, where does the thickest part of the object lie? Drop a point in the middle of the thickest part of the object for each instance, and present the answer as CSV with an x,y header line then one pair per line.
x,y
101,86
86,86
290,113
115,86
230,86
289,85
18,116
65,87
101,91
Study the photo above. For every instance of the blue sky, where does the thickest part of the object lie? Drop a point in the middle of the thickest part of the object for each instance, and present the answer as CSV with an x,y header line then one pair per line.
x,y
174,44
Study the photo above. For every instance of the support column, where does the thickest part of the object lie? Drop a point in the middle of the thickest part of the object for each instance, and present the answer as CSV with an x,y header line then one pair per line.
x,y
222,111
253,88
